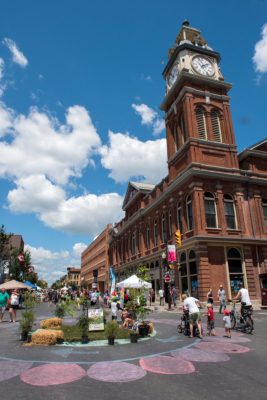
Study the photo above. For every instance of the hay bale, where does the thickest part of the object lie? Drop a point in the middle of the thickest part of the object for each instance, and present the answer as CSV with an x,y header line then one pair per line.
x,y
54,323
46,336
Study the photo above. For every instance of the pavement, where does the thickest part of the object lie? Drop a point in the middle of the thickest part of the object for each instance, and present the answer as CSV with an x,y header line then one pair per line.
x,y
168,365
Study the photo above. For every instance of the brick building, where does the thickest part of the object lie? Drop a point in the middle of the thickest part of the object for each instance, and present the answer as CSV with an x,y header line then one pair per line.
x,y
73,276
216,197
95,263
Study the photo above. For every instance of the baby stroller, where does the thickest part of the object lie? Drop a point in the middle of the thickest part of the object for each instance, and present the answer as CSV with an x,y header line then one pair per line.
x,y
183,326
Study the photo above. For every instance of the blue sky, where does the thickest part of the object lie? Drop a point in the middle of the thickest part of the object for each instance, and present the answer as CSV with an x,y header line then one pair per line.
x,y
80,88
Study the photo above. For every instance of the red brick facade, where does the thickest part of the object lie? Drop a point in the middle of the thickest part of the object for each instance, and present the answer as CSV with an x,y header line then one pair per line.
x,y
95,263
217,198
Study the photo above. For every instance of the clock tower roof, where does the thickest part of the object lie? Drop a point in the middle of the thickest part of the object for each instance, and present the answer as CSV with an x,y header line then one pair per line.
x,y
189,38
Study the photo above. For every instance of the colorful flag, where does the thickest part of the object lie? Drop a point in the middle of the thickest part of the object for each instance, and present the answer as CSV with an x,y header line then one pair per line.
x,y
171,253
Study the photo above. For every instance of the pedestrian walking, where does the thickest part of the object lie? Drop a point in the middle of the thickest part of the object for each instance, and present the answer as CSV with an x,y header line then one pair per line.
x,y
174,295
161,297
227,323
4,298
13,305
222,298
210,297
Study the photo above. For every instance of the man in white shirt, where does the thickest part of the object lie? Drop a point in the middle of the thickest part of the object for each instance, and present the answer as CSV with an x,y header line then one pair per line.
x,y
243,296
161,297
193,304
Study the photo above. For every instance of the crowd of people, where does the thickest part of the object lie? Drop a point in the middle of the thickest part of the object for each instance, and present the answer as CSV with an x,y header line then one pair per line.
x,y
192,306
120,312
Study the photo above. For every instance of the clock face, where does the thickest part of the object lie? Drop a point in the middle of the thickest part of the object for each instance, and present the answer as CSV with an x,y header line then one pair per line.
x,y
172,75
203,66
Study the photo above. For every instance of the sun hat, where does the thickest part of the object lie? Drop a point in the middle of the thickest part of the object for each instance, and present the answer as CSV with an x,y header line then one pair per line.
x,y
227,312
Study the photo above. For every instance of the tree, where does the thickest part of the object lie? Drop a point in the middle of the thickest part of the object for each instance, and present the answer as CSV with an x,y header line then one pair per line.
x,y
4,244
42,283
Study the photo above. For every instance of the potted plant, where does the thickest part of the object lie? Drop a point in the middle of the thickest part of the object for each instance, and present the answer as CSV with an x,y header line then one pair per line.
x,y
83,323
134,336
142,312
26,324
111,331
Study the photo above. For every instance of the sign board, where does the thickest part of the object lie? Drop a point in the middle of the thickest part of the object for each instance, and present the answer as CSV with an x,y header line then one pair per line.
x,y
94,285
96,316
167,278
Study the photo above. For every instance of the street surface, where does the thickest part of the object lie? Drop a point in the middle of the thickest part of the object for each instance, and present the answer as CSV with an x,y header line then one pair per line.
x,y
166,366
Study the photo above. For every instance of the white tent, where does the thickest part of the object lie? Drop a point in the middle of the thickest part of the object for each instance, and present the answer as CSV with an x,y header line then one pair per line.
x,y
134,283
14,285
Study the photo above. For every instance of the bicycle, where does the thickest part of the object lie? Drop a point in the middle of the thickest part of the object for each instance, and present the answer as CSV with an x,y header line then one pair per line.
x,y
242,321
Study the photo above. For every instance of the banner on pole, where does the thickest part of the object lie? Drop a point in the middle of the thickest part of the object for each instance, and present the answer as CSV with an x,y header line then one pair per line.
x,y
171,253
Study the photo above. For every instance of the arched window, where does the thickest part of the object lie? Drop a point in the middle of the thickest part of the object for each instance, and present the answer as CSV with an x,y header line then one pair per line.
x,y
210,210
179,217
170,223
134,243
264,209
155,233
181,126
189,213
216,125
201,123
235,270
147,236
163,229
229,211
193,280
183,273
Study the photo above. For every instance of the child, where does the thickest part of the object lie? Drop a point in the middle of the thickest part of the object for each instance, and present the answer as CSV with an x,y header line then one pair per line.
x,y
210,320
227,323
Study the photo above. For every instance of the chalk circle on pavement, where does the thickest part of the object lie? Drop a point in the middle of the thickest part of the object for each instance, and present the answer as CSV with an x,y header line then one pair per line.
x,y
167,365
115,372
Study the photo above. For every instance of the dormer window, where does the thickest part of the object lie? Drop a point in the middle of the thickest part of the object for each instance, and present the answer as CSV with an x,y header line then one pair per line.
x,y
216,126
201,123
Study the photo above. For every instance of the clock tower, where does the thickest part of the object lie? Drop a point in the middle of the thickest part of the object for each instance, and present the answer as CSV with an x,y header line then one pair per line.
x,y
197,110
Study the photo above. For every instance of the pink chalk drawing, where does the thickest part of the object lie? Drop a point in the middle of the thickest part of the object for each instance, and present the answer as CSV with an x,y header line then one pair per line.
x,y
198,355
115,372
235,339
222,347
12,368
52,374
167,365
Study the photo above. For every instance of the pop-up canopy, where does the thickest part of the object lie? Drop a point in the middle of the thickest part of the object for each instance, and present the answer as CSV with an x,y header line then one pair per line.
x,y
134,283
13,285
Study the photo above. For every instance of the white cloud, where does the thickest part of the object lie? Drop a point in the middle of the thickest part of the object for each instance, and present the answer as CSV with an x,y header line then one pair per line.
x,y
17,56
78,248
128,158
35,194
6,120
260,55
149,117
42,146
88,214
49,265
146,113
